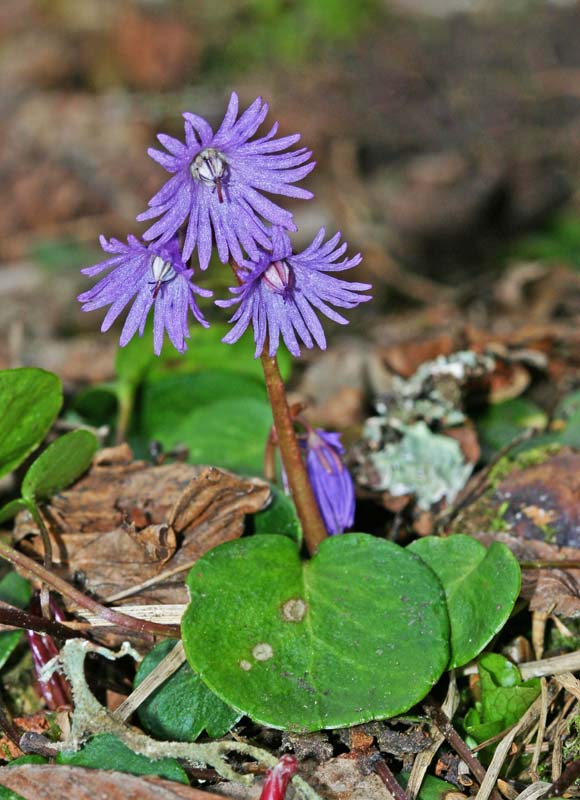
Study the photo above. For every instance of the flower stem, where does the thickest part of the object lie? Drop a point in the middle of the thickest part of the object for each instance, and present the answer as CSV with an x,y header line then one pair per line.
x,y
308,513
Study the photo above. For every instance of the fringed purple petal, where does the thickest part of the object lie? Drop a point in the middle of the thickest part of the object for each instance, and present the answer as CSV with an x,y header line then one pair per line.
x,y
226,174
136,280
282,294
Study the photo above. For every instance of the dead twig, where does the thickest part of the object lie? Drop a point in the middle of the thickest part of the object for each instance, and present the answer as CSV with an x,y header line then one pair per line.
x,y
8,727
570,774
379,765
16,618
164,670
442,721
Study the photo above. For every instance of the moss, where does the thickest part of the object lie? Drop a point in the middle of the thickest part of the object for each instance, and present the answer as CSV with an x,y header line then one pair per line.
x,y
527,458
498,523
558,642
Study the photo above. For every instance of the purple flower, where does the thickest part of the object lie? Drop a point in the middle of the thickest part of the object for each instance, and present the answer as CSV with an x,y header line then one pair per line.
x,y
280,290
218,183
146,275
331,482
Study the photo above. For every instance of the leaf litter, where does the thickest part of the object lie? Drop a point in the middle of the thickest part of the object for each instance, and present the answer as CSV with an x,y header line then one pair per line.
x,y
149,520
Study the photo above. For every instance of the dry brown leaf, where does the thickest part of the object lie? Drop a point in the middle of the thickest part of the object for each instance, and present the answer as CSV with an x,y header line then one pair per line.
x,y
48,782
126,521
549,590
466,438
543,500
540,521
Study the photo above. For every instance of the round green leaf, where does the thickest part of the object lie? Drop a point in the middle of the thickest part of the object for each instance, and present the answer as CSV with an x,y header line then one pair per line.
x,y
360,632
30,399
167,401
229,433
182,707
481,586
59,465
502,422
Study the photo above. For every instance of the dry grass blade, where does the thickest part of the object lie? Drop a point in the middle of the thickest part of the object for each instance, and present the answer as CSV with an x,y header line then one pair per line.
x,y
167,614
504,747
424,758
541,729
534,791
570,683
156,677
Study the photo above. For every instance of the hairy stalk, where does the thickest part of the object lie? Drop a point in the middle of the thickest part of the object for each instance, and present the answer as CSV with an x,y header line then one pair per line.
x,y
308,513
62,587
270,457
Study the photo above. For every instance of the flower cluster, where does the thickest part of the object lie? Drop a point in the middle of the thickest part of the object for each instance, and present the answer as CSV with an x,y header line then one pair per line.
x,y
216,195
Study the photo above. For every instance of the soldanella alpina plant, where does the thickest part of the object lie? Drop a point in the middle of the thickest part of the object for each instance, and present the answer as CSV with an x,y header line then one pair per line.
x,y
362,628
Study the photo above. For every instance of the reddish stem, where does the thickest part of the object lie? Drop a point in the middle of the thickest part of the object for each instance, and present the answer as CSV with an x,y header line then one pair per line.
x,y
278,778
56,690
63,588
306,506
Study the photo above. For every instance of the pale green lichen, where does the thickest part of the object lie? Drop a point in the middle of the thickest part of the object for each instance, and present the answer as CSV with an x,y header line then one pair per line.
x,y
434,392
424,464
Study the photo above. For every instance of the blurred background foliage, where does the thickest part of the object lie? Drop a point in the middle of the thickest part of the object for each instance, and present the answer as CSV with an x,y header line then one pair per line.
x,y
446,135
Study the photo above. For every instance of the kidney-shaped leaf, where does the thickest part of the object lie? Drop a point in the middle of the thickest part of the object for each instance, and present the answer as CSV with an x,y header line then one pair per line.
x,y
229,433
182,707
360,632
481,586
30,399
59,465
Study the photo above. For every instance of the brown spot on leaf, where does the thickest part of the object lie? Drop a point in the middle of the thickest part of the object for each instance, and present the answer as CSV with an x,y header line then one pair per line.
x,y
294,610
263,651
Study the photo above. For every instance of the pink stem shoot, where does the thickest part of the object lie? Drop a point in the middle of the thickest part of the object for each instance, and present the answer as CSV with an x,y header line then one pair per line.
x,y
278,778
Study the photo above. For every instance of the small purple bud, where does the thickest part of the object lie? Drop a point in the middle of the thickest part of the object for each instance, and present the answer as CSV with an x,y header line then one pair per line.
x,y
331,482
